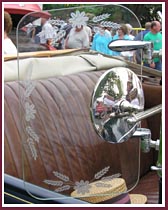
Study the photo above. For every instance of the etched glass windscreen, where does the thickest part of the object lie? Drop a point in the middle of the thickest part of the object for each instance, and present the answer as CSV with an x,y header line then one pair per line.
x,y
63,157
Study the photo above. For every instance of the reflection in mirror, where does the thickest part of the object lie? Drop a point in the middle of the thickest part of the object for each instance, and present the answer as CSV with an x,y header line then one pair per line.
x,y
117,96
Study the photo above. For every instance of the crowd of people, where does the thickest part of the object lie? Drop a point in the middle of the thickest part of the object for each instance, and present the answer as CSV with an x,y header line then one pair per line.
x,y
82,36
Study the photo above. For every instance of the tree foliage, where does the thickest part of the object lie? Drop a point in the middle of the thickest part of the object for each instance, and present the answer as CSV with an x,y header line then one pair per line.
x,y
144,12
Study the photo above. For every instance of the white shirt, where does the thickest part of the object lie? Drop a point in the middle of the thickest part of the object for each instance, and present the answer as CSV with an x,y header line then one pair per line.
x,y
108,102
131,36
88,31
135,102
9,47
46,33
78,39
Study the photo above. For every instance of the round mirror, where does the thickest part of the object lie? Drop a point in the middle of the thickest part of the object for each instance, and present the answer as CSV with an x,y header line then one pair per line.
x,y
118,95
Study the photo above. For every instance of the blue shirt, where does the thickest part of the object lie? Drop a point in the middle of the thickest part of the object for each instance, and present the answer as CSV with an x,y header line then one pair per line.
x,y
100,43
141,35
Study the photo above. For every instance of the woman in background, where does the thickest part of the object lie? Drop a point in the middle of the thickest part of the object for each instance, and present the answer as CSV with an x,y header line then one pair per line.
x,y
122,33
9,47
101,40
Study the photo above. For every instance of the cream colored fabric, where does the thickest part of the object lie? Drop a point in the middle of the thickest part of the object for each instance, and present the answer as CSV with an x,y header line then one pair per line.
x,y
54,66
101,62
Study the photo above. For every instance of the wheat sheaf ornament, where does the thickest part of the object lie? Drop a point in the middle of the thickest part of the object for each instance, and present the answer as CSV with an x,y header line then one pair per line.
x,y
78,19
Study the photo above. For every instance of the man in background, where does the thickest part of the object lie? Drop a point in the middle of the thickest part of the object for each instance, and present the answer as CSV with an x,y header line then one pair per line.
x,y
47,32
141,34
156,38
77,38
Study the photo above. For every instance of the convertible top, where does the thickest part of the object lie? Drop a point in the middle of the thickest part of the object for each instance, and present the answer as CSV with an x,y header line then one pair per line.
x,y
23,9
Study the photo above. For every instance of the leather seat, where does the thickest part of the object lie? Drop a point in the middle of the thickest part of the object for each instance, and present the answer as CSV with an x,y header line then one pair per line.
x,y
68,142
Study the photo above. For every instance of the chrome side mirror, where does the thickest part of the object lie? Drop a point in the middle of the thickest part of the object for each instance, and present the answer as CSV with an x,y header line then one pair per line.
x,y
117,96
117,108
127,45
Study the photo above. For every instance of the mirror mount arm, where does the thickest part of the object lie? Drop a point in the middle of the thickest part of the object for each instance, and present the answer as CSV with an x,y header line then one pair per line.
x,y
157,53
142,115
148,52
143,133
146,142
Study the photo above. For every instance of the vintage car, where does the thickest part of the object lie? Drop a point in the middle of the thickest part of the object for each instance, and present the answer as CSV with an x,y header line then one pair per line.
x,y
57,151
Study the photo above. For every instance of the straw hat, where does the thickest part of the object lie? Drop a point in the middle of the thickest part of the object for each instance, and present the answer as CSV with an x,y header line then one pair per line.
x,y
110,192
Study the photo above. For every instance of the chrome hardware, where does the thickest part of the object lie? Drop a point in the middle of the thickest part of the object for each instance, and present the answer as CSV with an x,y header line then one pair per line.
x,y
156,168
142,115
146,142
127,45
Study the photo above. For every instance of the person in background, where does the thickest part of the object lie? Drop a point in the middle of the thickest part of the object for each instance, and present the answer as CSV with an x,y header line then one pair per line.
x,y
101,40
77,38
108,30
35,33
141,34
129,27
156,37
129,55
67,28
9,47
122,33
139,37
89,32
47,33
